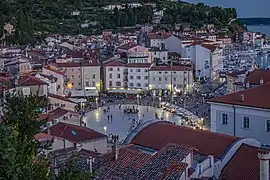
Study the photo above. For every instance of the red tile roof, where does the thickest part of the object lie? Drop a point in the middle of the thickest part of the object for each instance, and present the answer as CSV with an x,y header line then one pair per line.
x,y
139,65
253,97
43,137
77,64
115,64
54,70
74,133
159,35
128,46
31,81
54,114
63,98
157,135
235,74
134,164
168,68
244,165
210,47
258,74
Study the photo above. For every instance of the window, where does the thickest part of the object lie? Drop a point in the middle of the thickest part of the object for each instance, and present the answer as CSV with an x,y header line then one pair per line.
x,y
166,79
159,72
93,84
72,70
87,84
138,77
131,84
118,83
118,76
110,76
131,70
110,69
118,69
224,119
93,76
155,53
146,85
174,79
154,79
138,70
138,84
63,105
166,72
145,77
246,122
146,70
110,83
159,78
130,77
267,125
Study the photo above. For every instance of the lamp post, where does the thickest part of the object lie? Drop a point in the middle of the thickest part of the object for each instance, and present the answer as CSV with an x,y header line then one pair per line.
x,y
96,101
105,130
159,100
138,98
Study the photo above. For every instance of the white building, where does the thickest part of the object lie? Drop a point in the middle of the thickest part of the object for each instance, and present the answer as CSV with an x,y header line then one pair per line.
x,y
157,39
207,59
244,114
134,53
158,54
165,78
115,76
60,78
138,76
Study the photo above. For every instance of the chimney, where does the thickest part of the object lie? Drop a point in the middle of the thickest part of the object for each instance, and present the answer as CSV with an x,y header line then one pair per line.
x,y
242,98
264,157
261,81
247,84
90,162
115,149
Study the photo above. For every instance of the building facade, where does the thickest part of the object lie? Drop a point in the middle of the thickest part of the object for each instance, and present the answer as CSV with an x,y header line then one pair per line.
x,y
138,75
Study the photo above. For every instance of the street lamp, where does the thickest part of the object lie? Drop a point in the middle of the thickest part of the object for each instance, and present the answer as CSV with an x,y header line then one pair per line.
x,y
97,101
105,130
138,96
159,100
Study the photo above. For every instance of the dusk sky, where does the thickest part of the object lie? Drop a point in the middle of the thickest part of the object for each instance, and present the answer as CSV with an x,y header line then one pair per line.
x,y
245,8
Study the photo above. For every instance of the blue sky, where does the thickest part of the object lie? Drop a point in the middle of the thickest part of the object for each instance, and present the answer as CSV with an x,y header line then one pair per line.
x,y
245,8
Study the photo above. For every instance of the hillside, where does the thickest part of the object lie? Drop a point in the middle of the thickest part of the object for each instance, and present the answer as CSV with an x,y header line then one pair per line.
x,y
32,18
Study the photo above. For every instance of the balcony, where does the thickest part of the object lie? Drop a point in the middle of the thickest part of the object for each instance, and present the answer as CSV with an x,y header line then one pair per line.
x,y
137,54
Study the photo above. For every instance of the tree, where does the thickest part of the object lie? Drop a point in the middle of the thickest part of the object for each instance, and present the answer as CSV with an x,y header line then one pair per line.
x,y
20,157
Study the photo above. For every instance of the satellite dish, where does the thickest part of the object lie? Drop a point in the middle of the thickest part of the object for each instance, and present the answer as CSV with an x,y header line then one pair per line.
x,y
74,133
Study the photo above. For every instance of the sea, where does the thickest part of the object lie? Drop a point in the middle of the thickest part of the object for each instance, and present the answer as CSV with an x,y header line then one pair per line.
x,y
263,60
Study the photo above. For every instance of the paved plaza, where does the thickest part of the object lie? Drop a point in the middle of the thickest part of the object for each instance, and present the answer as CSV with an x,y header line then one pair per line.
x,y
121,123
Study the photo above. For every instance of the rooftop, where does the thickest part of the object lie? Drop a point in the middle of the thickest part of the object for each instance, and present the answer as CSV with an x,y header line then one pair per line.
x,y
63,98
31,81
74,133
257,75
257,97
134,164
159,134
169,68
54,114
159,35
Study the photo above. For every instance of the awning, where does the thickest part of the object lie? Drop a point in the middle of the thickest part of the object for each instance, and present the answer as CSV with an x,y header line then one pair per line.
x,y
125,91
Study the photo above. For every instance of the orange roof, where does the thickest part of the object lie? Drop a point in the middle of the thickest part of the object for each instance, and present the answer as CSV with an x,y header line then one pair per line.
x,y
243,165
54,70
115,63
258,74
63,98
43,137
159,134
31,81
253,97
128,46
210,47
159,35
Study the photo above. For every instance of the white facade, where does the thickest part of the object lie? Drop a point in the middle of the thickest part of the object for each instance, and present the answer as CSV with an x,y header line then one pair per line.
x,y
173,44
91,77
207,63
156,42
115,77
59,81
241,121
161,79
138,77
160,54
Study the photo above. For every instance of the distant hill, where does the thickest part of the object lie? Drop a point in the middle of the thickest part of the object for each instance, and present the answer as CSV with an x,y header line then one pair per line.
x,y
255,21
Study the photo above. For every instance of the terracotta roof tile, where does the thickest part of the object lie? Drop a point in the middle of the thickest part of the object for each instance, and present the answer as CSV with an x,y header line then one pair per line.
x,y
253,97
115,63
134,164
159,35
210,47
128,46
157,135
31,81
74,133
43,137
63,98
54,70
54,114
244,165
258,74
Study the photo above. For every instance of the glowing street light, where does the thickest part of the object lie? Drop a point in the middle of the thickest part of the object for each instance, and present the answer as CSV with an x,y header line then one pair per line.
x,y
105,130
159,100
96,100
138,98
